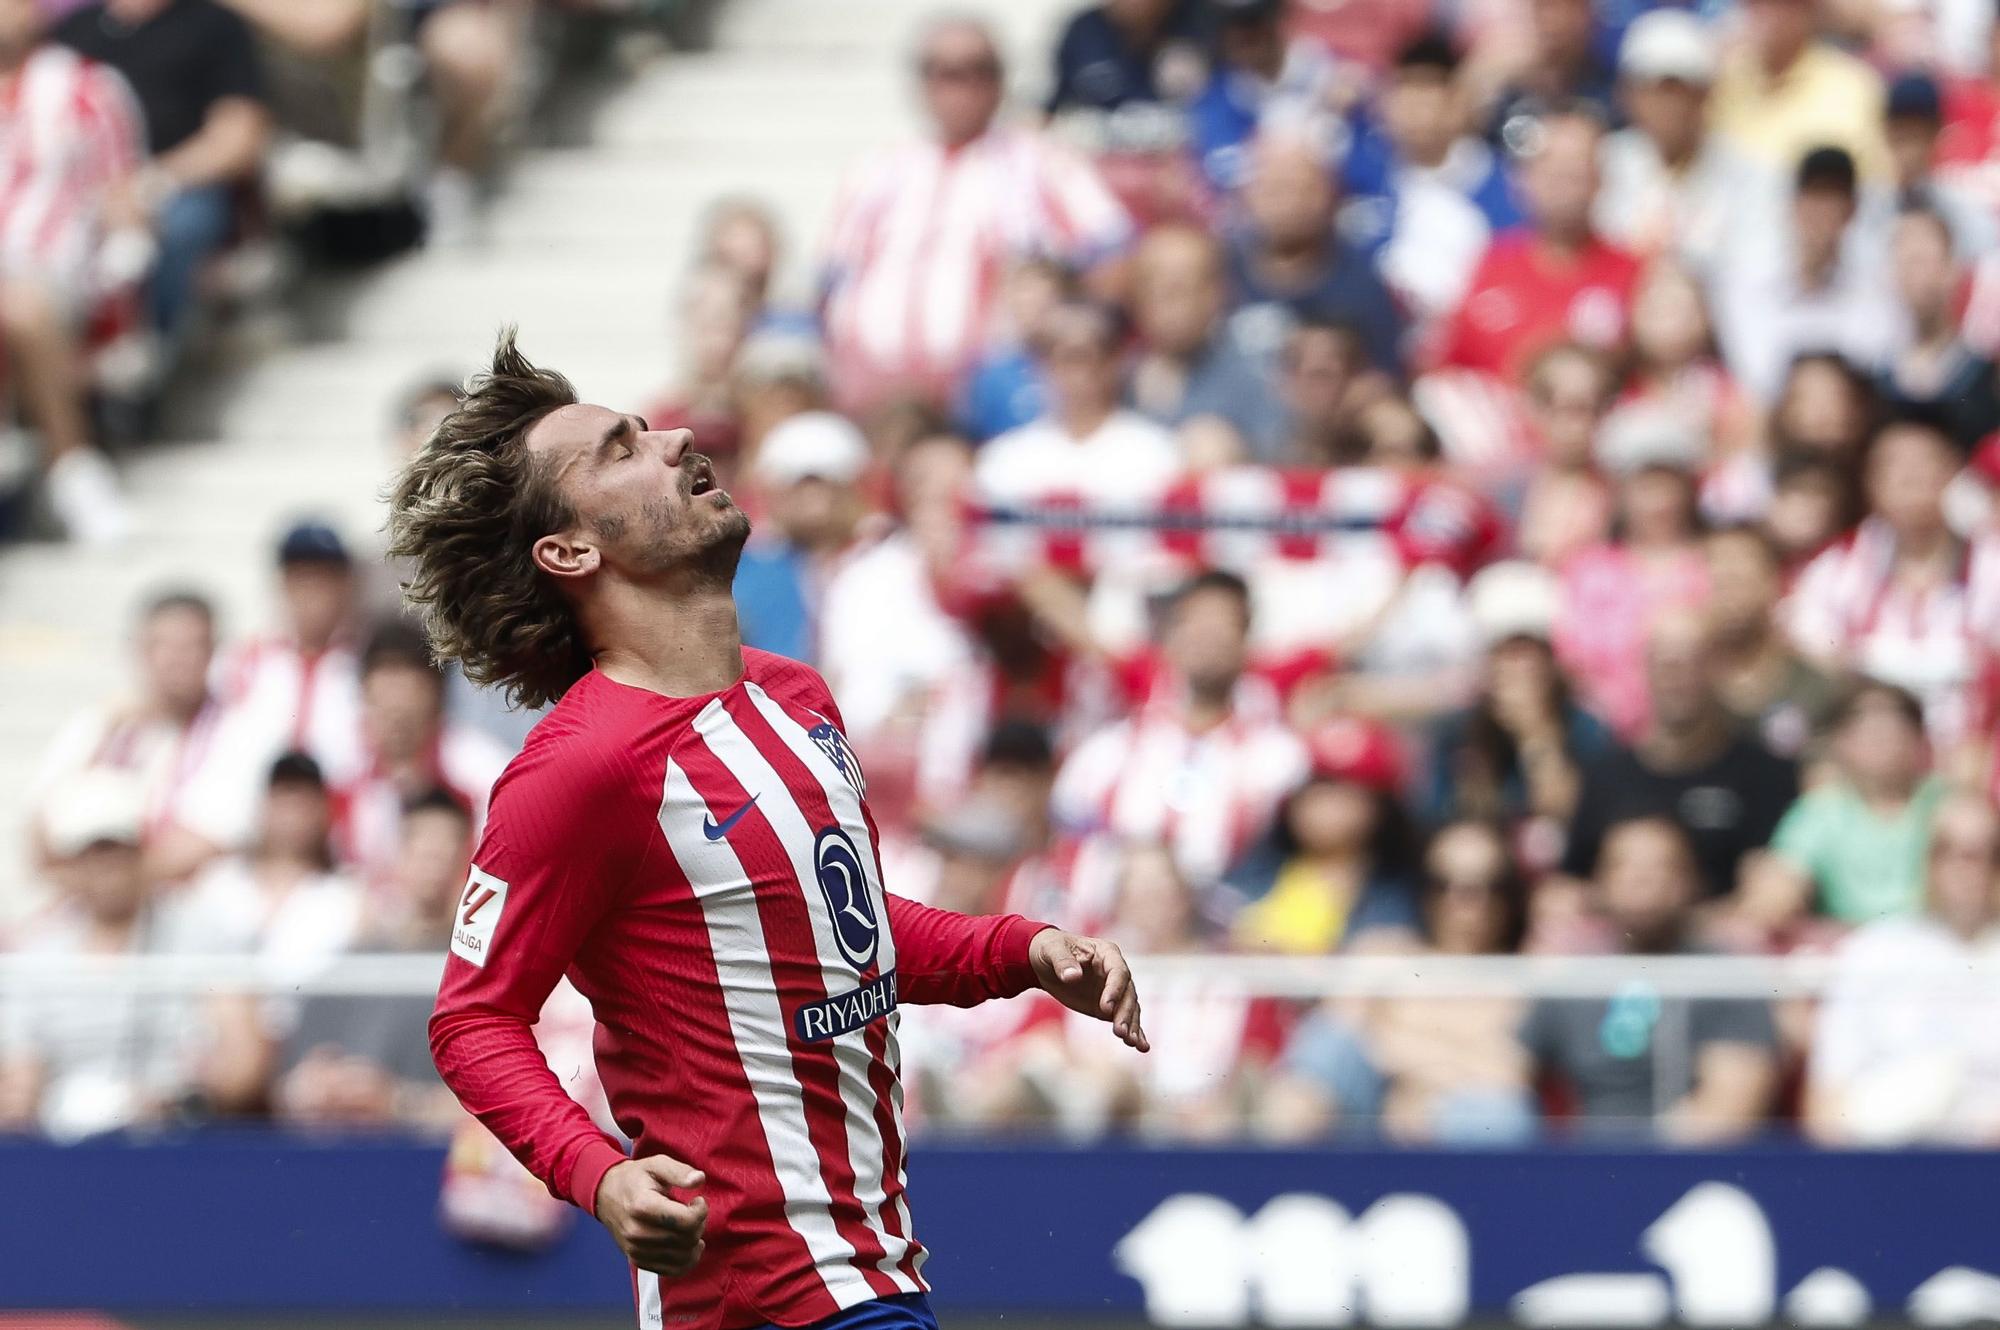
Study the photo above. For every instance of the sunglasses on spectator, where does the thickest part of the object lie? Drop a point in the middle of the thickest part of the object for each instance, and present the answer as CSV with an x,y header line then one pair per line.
x,y
958,71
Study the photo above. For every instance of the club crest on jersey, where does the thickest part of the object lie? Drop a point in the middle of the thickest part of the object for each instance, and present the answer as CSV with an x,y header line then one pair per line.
x,y
834,744
837,865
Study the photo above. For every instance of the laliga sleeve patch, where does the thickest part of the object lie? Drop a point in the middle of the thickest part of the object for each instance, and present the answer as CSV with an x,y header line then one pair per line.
x,y
478,914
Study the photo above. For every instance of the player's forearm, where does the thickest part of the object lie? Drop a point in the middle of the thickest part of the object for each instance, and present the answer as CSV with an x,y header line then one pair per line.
x,y
493,1065
957,959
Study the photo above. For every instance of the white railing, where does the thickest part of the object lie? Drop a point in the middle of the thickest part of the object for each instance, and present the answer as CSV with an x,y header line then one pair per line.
x,y
406,975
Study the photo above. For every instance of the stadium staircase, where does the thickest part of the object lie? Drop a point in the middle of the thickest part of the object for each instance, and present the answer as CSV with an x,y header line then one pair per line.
x,y
585,247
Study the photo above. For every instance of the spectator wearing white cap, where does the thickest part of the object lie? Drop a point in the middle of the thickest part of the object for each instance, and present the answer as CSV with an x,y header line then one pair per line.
x,y
1671,187
77,1063
1513,755
808,471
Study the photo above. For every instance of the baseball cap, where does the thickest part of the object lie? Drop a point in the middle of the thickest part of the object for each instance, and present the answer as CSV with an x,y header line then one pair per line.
x,y
312,542
92,808
1668,44
1513,598
1361,752
812,445
1642,437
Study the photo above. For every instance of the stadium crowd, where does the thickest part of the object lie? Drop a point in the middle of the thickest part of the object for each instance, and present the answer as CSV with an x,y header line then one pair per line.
x,y
1363,479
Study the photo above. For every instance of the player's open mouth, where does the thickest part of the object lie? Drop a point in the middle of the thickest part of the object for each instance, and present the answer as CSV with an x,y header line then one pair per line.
x,y
702,479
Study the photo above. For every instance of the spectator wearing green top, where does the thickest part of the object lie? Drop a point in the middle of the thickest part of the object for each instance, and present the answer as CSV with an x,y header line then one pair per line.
x,y
1854,845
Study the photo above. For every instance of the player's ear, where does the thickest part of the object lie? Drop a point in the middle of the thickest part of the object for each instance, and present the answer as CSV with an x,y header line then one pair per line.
x,y
563,555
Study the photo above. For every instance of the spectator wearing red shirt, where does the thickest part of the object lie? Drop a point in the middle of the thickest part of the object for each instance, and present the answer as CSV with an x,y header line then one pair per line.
x,y
1553,279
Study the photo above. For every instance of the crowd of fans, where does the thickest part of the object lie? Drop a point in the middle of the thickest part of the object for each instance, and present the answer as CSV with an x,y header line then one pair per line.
x,y
1342,480
143,143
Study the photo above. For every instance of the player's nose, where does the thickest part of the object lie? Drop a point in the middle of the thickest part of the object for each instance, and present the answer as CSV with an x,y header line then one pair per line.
x,y
674,444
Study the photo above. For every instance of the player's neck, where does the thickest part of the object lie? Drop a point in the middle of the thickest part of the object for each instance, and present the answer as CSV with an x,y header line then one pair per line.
x,y
684,647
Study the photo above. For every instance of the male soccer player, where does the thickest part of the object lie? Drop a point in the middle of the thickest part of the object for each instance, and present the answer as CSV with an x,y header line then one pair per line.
x,y
686,835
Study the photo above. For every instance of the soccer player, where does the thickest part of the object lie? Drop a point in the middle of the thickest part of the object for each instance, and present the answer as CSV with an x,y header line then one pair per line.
x,y
686,835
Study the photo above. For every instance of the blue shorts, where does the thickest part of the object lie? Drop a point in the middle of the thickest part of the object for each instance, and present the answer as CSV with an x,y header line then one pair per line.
x,y
905,1311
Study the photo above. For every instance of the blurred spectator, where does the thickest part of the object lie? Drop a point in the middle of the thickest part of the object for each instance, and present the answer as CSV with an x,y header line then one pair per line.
x,y
1188,362
1434,1070
1670,186
1614,591
1903,1048
807,470
1288,262
1322,377
1787,90
78,1063
1123,51
1087,445
740,236
1693,764
1759,675
193,64
282,900
408,746
921,234
887,640
1554,278
1712,1077
297,688
1517,752
1816,286
1852,847
1914,120
160,733
1342,858
1219,1041
1904,598
1558,65
71,239
1258,74
1006,388
1424,195
716,310
1567,505
1199,766
1674,367
1827,408
1937,370
1811,499
365,1060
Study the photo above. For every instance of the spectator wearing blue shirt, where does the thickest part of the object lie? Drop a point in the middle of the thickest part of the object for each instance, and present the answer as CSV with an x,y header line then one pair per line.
x,y
1423,195
1124,51
1189,365
1256,72
808,468
1286,263
1006,388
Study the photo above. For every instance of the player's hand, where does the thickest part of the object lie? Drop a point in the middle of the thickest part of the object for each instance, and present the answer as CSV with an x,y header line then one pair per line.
x,y
1089,975
656,1231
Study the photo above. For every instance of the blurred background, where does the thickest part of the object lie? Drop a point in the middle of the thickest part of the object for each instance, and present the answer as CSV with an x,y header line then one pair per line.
x,y
1459,532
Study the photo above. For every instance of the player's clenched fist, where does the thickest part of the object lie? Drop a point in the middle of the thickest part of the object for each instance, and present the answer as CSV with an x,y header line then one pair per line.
x,y
1089,975
659,1233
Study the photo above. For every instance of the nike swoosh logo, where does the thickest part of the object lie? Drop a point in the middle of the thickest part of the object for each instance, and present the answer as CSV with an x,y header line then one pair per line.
x,y
717,830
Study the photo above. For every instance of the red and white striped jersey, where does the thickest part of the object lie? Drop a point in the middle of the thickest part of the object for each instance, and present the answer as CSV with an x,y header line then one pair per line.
x,y
1940,643
70,130
922,235
705,871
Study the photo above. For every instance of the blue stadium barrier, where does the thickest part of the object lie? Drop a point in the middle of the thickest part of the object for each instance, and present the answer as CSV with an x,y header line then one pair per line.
x,y
247,1222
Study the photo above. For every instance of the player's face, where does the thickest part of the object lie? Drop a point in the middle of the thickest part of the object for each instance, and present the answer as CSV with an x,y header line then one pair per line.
x,y
645,504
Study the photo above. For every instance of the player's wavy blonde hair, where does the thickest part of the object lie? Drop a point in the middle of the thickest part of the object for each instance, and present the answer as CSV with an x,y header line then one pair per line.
x,y
465,514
